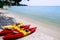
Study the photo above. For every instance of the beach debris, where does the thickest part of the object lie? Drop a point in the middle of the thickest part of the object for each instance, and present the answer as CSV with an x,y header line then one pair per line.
x,y
5,20
15,31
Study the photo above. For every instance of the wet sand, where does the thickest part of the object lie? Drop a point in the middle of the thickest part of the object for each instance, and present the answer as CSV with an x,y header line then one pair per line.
x,y
43,32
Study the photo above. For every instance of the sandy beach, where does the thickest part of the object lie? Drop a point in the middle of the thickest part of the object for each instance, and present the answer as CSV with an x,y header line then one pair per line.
x,y
43,32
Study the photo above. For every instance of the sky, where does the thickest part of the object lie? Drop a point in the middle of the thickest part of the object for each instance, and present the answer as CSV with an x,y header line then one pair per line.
x,y
41,2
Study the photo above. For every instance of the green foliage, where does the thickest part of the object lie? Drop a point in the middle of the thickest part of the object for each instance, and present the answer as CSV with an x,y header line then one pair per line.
x,y
9,3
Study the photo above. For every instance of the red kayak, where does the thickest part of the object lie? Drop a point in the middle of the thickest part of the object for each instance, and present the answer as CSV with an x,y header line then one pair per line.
x,y
11,34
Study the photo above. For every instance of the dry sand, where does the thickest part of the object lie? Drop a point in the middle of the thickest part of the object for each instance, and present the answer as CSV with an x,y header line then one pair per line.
x,y
43,32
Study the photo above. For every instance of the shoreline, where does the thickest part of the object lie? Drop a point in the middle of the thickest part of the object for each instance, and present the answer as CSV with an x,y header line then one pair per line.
x,y
37,22
42,30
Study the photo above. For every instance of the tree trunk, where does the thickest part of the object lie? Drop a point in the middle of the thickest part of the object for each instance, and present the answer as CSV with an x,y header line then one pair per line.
x,y
1,4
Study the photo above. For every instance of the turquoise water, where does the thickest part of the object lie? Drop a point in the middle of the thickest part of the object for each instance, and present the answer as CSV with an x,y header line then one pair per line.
x,y
46,14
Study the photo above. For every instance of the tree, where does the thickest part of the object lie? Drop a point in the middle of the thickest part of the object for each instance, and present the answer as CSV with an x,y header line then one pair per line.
x,y
9,3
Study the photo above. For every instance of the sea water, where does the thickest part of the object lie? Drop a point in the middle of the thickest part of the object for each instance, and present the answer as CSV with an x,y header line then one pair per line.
x,y
46,14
